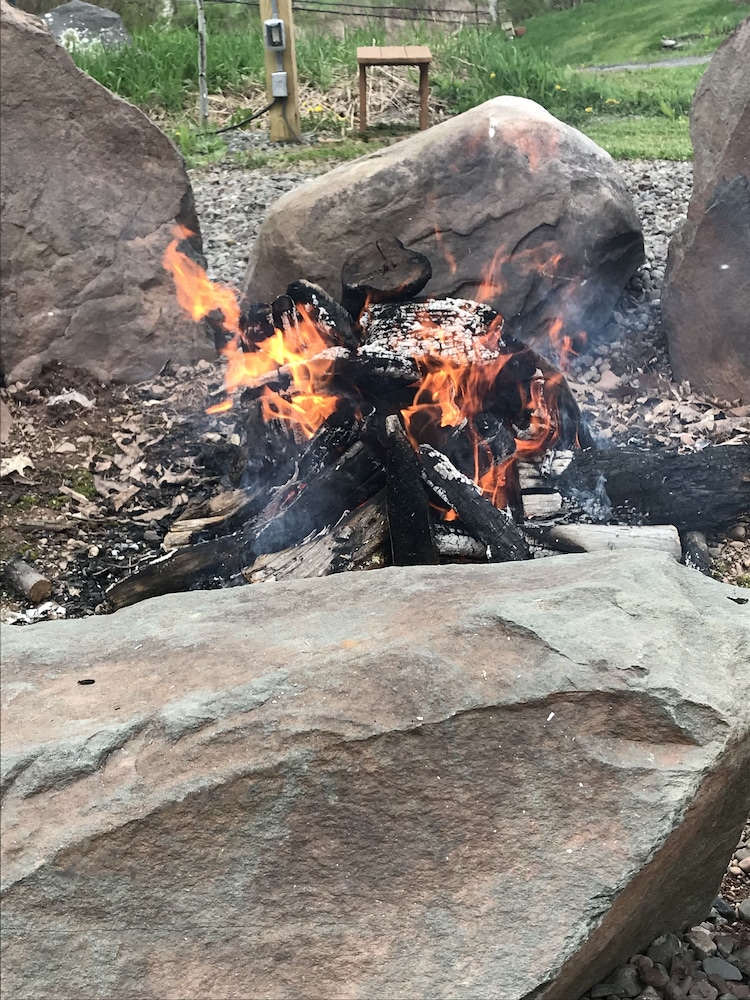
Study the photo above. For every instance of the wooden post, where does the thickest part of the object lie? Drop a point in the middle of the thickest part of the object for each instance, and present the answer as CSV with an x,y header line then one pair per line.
x,y
202,85
284,123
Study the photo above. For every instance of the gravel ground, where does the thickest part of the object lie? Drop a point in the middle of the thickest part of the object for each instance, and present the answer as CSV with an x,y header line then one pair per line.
x,y
617,382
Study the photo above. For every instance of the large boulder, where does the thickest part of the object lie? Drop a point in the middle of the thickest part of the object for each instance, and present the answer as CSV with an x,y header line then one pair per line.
x,y
90,192
706,291
83,24
490,781
510,205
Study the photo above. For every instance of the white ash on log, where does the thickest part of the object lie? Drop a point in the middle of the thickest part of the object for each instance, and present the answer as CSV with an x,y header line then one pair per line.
x,y
450,328
455,544
491,526
324,311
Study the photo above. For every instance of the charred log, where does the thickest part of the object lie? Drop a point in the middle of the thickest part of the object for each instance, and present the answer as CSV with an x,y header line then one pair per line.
x,y
193,568
409,522
493,527
384,271
307,506
699,491
325,312
256,325
357,542
695,551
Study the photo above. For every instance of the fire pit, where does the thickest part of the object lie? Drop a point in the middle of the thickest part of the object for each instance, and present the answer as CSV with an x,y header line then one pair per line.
x,y
389,428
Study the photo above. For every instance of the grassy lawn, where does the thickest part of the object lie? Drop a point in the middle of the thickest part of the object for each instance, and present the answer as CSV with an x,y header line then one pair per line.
x,y
642,138
610,32
639,113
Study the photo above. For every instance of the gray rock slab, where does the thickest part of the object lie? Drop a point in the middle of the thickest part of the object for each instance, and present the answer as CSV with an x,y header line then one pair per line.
x,y
407,782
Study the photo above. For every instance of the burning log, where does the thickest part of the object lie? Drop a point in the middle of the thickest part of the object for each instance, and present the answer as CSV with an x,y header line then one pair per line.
x,y
324,311
491,526
359,541
699,491
409,522
384,271
307,506
28,581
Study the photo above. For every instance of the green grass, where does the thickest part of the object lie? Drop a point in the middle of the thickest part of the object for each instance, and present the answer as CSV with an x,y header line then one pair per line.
x,y
638,113
641,138
609,32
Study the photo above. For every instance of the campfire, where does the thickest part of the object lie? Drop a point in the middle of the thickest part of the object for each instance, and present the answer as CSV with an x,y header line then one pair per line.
x,y
389,428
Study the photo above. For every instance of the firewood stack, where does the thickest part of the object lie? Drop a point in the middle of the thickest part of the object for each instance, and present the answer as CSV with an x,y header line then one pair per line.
x,y
427,436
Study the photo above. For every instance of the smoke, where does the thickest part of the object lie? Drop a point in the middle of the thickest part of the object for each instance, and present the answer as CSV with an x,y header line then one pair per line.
x,y
594,504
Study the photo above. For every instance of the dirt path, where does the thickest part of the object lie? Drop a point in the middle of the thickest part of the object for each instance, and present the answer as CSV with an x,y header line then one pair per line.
x,y
680,61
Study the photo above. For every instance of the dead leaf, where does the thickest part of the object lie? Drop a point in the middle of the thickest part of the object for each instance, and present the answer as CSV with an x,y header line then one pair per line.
x,y
122,498
176,478
106,487
13,468
71,396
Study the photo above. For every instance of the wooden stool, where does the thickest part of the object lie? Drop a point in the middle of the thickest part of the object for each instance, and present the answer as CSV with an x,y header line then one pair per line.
x,y
394,55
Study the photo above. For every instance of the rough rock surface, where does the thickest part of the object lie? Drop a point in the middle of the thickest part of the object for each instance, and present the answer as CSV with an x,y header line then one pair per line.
x,y
706,294
495,781
88,24
503,193
90,193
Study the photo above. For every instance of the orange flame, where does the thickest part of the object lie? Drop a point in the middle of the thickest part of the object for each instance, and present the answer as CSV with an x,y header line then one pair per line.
x,y
452,392
295,348
196,294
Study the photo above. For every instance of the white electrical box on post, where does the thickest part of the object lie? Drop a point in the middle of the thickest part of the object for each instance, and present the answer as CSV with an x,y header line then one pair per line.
x,y
281,70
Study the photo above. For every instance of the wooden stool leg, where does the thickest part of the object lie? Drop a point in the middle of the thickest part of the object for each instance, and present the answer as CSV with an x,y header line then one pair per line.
x,y
362,99
424,92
